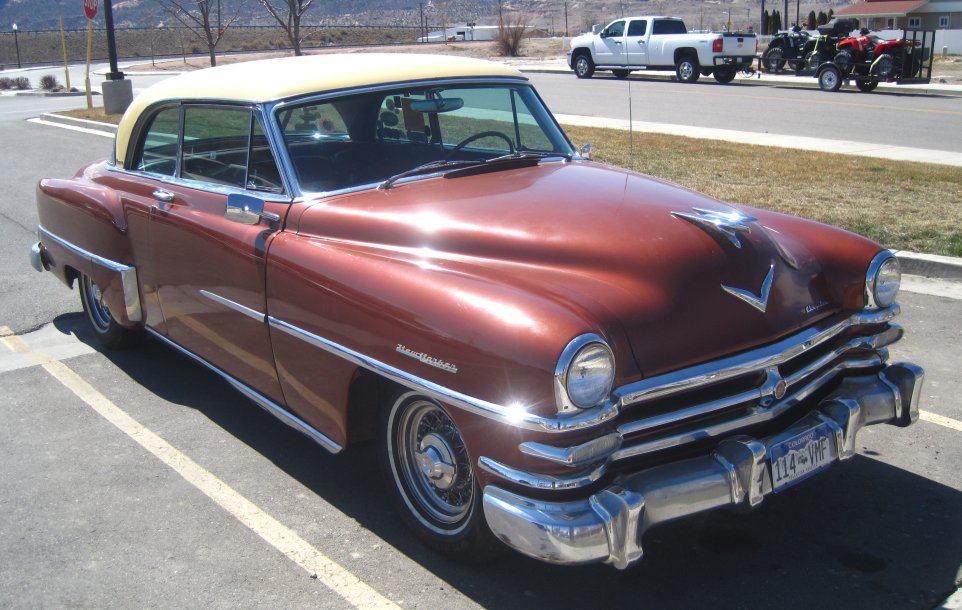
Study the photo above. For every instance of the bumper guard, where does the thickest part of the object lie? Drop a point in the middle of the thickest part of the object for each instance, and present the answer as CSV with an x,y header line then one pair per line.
x,y
608,526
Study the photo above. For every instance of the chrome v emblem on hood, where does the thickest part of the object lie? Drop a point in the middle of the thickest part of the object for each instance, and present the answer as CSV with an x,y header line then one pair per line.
x,y
759,302
726,223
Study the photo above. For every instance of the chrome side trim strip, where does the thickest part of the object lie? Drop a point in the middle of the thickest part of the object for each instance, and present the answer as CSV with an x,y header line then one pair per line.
x,y
757,416
128,274
515,416
540,481
741,364
262,401
247,311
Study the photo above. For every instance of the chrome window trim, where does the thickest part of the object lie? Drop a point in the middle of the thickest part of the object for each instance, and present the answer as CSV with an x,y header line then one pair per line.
x,y
506,414
128,274
262,401
243,309
740,364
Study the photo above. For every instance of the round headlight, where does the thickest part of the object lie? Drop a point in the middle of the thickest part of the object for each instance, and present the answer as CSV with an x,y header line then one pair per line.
x,y
590,375
883,285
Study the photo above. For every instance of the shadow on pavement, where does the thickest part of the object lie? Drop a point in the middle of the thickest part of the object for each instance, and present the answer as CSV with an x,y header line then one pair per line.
x,y
863,534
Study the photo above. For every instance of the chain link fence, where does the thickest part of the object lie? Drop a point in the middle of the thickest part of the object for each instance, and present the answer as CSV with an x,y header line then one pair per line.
x,y
44,47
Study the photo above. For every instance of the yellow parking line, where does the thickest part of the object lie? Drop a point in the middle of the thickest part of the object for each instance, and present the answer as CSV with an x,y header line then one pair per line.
x,y
335,577
948,422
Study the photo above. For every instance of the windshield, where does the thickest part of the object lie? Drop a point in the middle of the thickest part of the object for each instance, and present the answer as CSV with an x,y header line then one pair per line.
x,y
365,139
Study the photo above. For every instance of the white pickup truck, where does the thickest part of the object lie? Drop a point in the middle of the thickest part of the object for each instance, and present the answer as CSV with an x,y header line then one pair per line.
x,y
661,43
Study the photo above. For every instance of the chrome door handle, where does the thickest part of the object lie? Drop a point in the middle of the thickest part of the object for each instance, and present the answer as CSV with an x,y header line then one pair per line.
x,y
163,196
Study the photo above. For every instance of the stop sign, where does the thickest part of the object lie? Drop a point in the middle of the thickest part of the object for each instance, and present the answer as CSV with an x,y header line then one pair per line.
x,y
90,8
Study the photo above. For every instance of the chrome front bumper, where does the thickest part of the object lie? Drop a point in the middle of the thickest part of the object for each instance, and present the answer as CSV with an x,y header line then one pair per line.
x,y
608,526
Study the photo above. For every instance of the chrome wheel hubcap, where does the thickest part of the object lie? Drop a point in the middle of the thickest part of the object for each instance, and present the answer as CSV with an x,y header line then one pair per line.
x,y
433,466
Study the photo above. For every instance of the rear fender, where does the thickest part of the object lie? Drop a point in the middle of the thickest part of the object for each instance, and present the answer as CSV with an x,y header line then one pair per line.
x,y
83,230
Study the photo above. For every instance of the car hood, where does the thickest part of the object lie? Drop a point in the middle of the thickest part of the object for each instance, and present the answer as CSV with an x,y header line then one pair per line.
x,y
636,259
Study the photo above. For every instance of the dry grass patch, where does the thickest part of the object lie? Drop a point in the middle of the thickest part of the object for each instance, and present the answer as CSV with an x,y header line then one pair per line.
x,y
902,205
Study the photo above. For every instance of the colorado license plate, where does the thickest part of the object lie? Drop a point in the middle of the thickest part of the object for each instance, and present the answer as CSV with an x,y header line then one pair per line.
x,y
801,456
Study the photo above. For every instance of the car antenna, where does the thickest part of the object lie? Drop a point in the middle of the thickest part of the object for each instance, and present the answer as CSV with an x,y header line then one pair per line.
x,y
631,122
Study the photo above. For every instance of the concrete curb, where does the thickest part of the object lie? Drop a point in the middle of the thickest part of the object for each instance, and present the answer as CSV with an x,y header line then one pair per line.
x,y
792,82
930,265
69,121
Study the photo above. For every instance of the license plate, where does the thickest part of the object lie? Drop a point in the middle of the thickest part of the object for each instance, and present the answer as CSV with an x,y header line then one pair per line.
x,y
799,457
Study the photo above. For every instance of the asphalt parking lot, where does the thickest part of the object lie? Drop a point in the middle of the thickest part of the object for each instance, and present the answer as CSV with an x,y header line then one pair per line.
x,y
139,479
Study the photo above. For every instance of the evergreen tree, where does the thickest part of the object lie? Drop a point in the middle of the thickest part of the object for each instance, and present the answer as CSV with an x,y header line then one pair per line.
x,y
822,18
812,21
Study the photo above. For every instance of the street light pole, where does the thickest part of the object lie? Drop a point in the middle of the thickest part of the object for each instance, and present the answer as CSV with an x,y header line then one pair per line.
x,y
16,42
114,73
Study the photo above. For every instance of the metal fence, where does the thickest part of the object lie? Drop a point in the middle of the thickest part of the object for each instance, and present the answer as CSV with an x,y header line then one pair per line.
x,y
44,47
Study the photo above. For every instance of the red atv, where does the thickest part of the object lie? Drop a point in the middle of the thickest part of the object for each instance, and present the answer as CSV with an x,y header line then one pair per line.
x,y
871,55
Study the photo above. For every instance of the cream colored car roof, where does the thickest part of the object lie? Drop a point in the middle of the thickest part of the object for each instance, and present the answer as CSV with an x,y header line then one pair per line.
x,y
274,79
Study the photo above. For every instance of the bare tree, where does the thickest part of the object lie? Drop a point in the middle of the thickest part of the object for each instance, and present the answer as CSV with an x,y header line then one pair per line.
x,y
288,14
511,28
196,16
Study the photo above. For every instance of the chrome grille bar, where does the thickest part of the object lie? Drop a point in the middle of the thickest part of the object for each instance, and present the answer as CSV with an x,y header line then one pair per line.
x,y
742,364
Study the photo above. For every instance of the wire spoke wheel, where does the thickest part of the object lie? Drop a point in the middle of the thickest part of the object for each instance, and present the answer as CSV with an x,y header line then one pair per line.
x,y
431,466
93,303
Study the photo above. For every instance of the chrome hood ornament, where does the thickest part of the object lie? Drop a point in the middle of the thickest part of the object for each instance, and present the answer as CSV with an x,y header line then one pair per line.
x,y
726,223
759,301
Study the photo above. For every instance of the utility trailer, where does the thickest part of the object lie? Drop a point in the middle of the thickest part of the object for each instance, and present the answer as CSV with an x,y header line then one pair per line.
x,y
868,60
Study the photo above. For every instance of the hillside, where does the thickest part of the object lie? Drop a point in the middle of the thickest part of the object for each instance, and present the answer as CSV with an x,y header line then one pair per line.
x,y
546,14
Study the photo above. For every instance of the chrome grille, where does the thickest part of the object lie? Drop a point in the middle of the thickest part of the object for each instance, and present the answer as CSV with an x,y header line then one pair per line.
x,y
725,396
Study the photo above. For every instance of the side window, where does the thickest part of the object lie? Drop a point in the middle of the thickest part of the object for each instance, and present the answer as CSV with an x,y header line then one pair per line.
x,y
667,26
216,145
262,175
637,27
615,29
159,153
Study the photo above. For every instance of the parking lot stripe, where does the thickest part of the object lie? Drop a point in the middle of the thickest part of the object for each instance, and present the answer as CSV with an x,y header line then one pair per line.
x,y
326,570
948,422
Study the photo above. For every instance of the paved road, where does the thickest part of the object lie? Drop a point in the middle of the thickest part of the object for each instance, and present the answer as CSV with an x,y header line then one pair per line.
x,y
917,121
89,516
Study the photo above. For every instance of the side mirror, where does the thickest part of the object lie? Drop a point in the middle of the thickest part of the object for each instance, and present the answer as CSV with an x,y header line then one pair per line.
x,y
585,151
247,210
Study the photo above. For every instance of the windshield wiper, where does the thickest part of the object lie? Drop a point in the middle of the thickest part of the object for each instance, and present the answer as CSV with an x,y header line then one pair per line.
x,y
426,167
465,165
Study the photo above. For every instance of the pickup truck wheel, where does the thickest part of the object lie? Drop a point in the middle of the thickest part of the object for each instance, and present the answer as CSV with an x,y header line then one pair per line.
x,y
687,69
830,79
621,74
429,473
584,67
724,75
110,334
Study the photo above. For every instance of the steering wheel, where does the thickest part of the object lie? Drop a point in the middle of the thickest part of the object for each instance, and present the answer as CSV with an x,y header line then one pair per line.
x,y
483,134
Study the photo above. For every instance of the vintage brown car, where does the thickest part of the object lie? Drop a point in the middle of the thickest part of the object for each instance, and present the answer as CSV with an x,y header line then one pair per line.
x,y
408,247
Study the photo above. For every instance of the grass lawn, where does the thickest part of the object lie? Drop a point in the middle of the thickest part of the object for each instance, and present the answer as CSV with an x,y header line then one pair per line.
x,y
901,205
